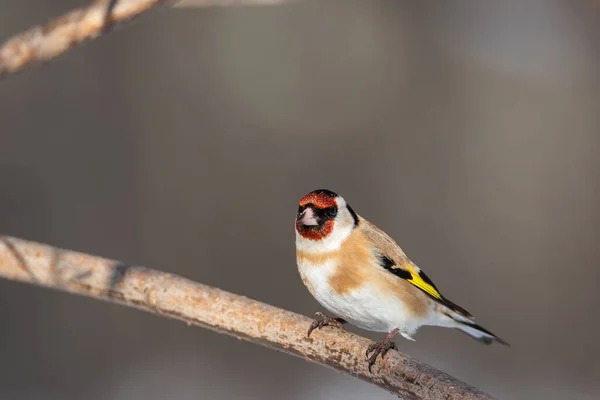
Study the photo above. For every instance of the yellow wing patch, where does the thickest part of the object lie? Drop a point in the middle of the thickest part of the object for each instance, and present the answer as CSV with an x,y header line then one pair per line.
x,y
412,274
420,280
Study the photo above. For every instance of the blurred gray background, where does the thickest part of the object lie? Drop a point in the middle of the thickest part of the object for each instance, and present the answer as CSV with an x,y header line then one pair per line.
x,y
468,131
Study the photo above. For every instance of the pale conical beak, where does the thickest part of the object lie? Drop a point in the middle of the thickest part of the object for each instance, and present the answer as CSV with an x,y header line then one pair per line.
x,y
308,217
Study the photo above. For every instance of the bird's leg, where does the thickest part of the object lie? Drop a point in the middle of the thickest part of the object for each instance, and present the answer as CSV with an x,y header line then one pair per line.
x,y
325,321
381,348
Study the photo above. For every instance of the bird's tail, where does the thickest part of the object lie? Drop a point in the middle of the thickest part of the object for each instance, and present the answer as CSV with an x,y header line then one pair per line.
x,y
479,333
463,321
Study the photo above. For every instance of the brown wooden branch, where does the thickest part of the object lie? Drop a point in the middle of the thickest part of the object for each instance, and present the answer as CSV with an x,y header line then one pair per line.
x,y
175,297
44,42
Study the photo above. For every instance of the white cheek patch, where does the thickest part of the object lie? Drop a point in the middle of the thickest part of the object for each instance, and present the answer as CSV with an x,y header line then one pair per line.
x,y
309,218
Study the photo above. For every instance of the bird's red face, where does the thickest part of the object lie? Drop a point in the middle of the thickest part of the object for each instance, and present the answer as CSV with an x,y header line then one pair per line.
x,y
316,214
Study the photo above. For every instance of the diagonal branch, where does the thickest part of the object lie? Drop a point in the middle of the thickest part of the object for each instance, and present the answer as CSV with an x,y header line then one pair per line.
x,y
175,297
44,42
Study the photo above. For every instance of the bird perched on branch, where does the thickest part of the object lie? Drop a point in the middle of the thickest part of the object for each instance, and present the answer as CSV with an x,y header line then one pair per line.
x,y
361,275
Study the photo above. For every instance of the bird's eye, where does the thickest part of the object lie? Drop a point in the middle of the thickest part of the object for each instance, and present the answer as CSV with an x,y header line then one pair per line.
x,y
330,212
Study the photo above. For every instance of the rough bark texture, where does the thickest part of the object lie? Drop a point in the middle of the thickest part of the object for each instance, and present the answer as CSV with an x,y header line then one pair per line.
x,y
176,297
44,42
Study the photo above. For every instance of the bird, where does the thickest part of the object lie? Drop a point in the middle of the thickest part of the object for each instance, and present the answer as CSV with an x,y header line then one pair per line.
x,y
359,274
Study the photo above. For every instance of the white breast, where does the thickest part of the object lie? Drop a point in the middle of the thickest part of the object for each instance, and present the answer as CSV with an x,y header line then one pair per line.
x,y
365,307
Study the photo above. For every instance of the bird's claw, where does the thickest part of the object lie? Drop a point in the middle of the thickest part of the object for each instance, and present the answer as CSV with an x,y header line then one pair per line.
x,y
325,321
377,348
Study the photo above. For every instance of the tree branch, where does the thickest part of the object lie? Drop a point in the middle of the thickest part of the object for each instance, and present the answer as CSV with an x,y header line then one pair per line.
x,y
175,297
44,42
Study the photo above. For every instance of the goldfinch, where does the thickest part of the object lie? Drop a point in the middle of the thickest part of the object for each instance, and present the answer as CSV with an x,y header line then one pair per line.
x,y
361,275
